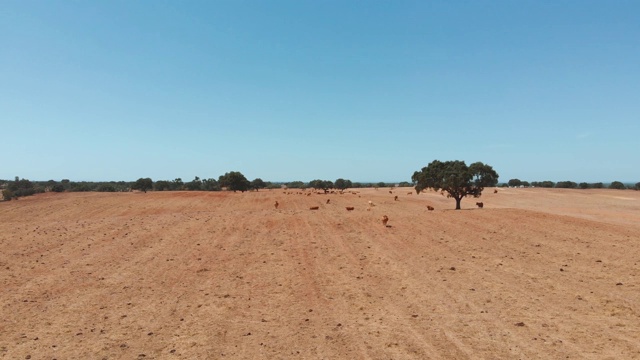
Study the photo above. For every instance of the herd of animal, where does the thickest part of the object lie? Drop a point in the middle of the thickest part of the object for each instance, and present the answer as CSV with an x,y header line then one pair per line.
x,y
385,218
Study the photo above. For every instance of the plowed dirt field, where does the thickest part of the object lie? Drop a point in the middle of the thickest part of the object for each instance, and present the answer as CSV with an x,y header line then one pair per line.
x,y
535,274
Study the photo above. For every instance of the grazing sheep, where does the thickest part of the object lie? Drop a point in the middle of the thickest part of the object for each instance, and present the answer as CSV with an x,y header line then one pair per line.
x,y
430,208
371,203
350,208
314,208
480,205
385,220
395,198
328,201
495,191
390,192
410,193
276,204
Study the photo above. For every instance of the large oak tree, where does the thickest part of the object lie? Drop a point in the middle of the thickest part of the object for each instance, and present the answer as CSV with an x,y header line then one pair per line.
x,y
455,178
235,181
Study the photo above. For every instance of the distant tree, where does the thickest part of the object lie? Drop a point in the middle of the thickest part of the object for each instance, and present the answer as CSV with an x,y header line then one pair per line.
x,y
566,185
162,185
381,184
177,184
258,184
515,182
323,185
210,185
66,183
597,185
455,178
343,184
617,185
583,185
57,188
143,184
637,186
195,184
525,184
235,181
404,184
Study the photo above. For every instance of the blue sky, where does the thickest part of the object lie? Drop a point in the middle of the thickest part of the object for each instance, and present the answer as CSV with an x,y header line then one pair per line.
x,y
301,90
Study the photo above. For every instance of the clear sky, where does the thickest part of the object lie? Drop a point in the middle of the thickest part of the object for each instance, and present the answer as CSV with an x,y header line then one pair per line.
x,y
319,89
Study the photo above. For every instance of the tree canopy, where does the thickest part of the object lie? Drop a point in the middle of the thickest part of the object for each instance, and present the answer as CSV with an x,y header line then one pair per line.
x,y
455,178
235,181
258,184
515,182
143,184
566,185
321,184
343,184
617,185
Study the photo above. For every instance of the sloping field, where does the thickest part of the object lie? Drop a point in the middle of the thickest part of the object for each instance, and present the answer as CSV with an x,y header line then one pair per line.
x,y
536,274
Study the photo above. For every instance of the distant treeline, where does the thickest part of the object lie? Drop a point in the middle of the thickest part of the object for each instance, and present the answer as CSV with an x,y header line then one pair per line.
x,y
23,187
234,181
570,185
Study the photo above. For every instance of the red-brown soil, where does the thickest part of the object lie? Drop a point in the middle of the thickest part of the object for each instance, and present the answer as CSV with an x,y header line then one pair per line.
x,y
535,274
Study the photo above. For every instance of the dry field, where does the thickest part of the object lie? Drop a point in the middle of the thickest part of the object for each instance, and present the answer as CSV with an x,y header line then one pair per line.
x,y
536,274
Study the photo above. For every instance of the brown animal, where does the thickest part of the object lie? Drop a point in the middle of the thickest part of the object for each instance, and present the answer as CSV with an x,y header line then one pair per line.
x,y
385,220
328,200
430,208
495,191
314,208
480,205
410,193
395,198
390,192
276,204
350,208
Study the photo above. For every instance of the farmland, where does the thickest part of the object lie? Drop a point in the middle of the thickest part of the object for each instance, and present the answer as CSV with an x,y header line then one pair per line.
x,y
536,273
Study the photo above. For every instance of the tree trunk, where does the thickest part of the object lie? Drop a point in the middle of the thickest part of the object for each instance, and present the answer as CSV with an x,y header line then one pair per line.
x,y
458,203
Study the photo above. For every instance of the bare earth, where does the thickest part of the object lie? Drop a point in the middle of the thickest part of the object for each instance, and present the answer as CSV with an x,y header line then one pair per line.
x,y
536,274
